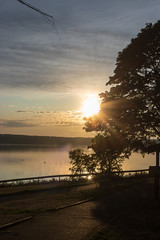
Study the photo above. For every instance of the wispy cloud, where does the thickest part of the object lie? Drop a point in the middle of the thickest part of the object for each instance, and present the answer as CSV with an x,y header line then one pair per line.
x,y
92,33
15,123
27,111
37,68
44,119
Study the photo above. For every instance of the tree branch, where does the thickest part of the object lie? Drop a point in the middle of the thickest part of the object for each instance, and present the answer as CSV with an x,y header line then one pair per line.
x,y
48,18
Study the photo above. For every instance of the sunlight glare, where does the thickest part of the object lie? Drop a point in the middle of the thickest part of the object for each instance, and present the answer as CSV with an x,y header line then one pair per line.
x,y
89,177
91,105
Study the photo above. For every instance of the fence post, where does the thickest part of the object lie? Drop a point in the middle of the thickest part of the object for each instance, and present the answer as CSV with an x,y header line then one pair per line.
x,y
156,179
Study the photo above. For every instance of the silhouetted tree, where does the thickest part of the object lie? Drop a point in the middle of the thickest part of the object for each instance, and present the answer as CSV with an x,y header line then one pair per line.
x,y
108,155
130,110
132,105
82,162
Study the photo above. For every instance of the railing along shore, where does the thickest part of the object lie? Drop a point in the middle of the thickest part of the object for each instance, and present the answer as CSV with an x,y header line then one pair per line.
x,y
59,177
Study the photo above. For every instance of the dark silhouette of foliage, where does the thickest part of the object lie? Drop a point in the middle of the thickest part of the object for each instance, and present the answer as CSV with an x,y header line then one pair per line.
x,y
106,156
82,162
130,111
109,151
132,105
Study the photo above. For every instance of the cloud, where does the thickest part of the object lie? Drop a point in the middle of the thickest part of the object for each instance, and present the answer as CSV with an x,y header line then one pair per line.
x,y
91,34
67,124
43,119
15,123
26,111
39,68
22,111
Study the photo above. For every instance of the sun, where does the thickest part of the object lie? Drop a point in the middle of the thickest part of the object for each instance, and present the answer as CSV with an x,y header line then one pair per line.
x,y
91,105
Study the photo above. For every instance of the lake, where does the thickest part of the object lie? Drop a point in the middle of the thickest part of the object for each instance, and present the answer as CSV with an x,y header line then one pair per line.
x,y
33,162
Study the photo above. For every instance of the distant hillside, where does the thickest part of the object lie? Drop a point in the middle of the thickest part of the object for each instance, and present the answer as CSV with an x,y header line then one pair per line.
x,y
42,140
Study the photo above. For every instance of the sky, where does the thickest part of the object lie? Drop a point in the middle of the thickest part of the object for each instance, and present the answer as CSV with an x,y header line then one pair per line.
x,y
45,77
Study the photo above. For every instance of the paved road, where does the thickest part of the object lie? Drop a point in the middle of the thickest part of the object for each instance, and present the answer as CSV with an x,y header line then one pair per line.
x,y
71,223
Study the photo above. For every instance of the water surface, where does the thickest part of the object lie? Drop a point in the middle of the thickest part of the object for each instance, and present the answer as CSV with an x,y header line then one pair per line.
x,y
32,162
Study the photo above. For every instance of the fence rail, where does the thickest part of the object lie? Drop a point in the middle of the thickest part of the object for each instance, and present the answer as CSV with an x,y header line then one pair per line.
x,y
71,176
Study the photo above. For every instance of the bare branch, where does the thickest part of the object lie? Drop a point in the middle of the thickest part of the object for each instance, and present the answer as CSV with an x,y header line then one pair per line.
x,y
48,18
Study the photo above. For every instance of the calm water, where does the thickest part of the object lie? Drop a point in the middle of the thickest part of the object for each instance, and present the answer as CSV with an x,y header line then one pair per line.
x,y
38,162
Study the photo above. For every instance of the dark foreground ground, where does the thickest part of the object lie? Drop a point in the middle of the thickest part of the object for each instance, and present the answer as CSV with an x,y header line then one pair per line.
x,y
123,209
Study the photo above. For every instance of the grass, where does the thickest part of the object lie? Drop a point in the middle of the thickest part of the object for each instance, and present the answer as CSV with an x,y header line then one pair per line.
x,y
8,189
20,211
106,233
60,188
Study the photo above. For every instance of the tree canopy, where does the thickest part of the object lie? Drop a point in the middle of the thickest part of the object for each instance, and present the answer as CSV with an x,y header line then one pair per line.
x,y
130,111
132,105
106,156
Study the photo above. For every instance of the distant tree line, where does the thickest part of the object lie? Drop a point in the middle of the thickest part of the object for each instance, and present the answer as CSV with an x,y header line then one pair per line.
x,y
42,140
